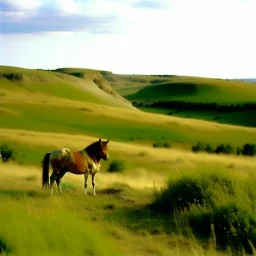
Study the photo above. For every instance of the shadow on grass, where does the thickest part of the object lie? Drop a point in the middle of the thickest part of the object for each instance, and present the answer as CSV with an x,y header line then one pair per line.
x,y
17,194
143,220
4,248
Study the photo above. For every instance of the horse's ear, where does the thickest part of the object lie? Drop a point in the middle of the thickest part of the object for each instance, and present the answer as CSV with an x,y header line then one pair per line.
x,y
99,140
107,141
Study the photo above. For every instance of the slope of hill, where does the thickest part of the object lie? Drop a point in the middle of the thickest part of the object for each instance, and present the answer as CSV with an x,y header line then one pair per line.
x,y
93,76
55,84
224,101
193,89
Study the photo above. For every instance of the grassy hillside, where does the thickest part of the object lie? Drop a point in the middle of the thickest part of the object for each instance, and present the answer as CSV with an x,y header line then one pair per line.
x,y
223,101
30,104
41,111
195,89
54,84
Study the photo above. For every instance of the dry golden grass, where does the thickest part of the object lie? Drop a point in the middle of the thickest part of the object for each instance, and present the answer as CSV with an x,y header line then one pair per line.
x,y
149,166
130,114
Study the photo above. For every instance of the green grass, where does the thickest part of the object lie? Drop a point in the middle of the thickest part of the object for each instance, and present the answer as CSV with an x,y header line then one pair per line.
x,y
119,220
192,89
76,121
46,227
209,201
56,84
244,118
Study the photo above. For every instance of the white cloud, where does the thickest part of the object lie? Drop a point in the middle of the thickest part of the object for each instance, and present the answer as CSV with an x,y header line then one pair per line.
x,y
69,7
212,38
22,5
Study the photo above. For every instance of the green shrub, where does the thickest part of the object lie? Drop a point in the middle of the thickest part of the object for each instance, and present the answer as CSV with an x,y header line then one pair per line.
x,y
239,151
249,149
233,226
189,190
198,147
220,149
228,149
179,194
117,165
209,149
7,153
4,248
159,144
167,145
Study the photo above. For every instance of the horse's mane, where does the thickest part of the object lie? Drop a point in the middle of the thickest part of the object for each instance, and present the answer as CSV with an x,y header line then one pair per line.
x,y
93,148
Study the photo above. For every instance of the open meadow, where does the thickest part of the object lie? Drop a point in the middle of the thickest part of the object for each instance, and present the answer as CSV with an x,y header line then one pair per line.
x,y
161,200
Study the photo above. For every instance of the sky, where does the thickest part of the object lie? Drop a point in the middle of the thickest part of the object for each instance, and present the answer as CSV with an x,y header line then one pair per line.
x,y
207,38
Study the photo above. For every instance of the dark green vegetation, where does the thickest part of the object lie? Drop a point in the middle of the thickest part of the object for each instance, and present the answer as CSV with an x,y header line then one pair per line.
x,y
7,153
224,101
117,165
246,150
212,203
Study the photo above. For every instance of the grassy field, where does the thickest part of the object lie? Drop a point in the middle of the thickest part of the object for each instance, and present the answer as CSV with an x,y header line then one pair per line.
x,y
117,221
147,90
37,116
119,213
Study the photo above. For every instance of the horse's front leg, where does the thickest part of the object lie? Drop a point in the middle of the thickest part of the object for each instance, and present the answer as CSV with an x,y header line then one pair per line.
x,y
85,182
93,184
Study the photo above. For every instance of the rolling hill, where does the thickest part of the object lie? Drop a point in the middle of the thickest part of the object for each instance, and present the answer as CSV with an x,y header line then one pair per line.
x,y
55,101
41,111
223,101
57,84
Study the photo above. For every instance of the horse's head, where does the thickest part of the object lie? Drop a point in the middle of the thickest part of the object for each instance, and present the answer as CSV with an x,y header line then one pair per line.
x,y
103,149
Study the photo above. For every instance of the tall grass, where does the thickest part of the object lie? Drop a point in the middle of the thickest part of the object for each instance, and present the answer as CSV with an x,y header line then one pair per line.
x,y
45,227
212,198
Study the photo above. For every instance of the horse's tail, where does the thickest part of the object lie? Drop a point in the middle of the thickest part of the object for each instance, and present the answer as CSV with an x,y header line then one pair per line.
x,y
45,172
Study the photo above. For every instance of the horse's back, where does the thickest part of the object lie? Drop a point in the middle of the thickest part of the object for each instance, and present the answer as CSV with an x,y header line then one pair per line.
x,y
59,157
59,154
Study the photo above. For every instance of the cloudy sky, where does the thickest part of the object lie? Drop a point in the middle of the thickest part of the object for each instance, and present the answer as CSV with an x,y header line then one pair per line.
x,y
212,38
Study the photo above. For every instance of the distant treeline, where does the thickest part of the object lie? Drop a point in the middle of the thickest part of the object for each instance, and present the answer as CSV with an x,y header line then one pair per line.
x,y
11,76
246,150
182,105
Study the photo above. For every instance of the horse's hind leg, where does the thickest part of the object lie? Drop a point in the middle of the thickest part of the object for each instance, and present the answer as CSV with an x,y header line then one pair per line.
x,y
59,177
52,179
85,182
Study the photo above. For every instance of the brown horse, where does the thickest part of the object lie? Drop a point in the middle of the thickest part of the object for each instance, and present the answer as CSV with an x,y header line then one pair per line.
x,y
86,161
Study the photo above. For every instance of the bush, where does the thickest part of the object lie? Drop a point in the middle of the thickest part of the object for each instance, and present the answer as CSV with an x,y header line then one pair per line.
x,y
116,166
239,151
167,145
159,144
7,153
228,149
189,190
224,149
209,149
249,149
220,149
232,226
179,195
198,147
